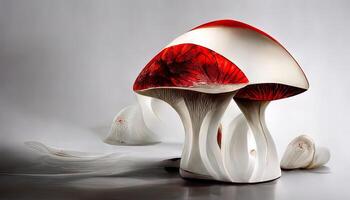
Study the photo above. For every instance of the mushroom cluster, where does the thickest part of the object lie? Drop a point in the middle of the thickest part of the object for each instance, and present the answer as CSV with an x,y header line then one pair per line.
x,y
200,72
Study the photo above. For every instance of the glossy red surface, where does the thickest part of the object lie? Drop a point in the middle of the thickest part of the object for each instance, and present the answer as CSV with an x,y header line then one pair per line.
x,y
188,65
267,91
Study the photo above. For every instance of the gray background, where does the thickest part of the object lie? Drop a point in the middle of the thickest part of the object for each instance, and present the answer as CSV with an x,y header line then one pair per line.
x,y
67,67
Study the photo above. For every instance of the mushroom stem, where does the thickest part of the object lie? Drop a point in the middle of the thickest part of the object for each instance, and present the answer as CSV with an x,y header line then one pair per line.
x,y
267,163
238,162
200,114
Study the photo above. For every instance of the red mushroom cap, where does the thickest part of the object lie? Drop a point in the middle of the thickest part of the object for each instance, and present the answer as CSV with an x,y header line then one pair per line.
x,y
205,59
188,66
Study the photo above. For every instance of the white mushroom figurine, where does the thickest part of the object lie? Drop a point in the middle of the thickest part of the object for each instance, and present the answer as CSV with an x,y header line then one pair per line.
x,y
303,153
129,127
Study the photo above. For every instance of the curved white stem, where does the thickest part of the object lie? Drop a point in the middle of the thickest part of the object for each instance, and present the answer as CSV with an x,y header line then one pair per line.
x,y
209,148
234,149
267,164
201,114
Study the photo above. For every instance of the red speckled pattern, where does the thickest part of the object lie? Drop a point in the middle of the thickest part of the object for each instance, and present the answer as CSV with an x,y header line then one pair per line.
x,y
267,91
234,24
188,65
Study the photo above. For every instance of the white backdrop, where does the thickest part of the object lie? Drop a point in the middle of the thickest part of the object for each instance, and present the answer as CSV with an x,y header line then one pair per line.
x,y
67,67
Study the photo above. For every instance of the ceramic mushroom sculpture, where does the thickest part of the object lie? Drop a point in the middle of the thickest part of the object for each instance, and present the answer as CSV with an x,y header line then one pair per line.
x,y
129,126
303,153
199,84
201,71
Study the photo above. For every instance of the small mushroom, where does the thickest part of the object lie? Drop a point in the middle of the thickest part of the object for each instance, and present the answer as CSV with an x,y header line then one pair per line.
x,y
299,153
129,128
302,153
